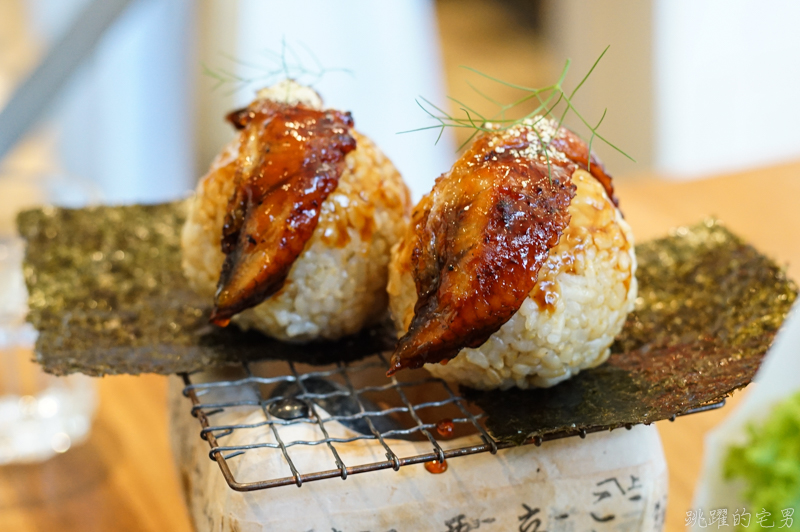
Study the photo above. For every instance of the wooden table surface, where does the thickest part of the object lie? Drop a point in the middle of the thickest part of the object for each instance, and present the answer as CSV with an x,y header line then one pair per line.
x,y
123,478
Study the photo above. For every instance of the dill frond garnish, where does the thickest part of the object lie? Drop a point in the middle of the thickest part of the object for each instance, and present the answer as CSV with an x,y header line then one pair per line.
x,y
552,101
304,68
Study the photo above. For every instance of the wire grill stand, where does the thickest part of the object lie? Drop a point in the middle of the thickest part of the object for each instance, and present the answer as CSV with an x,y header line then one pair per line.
x,y
220,453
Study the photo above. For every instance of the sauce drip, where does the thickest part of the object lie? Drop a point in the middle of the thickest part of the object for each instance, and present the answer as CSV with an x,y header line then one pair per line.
x,y
290,159
436,467
445,428
483,233
546,295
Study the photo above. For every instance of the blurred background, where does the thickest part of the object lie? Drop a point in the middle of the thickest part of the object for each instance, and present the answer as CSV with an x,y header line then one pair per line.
x,y
123,101
690,88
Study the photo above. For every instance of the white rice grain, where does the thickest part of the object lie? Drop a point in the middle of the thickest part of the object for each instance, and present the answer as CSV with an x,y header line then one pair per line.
x,y
593,269
338,283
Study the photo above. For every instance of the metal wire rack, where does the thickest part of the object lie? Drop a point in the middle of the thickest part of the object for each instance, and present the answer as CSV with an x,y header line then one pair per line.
x,y
342,404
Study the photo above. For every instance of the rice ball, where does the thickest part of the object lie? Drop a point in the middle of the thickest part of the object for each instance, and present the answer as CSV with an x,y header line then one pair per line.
x,y
337,285
583,294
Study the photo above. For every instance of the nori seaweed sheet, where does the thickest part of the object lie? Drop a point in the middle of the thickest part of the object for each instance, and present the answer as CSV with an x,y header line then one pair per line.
x,y
708,309
107,296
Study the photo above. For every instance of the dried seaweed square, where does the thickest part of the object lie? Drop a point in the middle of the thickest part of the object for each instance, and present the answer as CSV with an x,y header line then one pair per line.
x,y
107,296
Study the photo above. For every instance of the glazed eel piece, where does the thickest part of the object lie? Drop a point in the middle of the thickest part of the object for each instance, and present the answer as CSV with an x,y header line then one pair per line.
x,y
290,159
484,231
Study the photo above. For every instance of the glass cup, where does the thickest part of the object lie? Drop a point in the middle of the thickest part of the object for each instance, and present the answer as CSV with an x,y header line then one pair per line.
x,y
40,414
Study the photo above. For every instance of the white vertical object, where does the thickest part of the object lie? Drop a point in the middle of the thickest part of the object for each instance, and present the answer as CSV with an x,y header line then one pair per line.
x,y
692,87
392,50
726,84
125,120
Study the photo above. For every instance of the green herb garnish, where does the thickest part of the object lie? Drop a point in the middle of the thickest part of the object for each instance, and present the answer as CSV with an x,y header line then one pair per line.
x,y
304,68
553,102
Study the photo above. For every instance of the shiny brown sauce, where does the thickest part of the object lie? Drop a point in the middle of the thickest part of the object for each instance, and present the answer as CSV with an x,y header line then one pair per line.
x,y
436,467
482,235
445,427
290,159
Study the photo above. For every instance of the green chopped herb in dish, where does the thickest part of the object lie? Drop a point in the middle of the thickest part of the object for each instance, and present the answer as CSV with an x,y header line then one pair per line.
x,y
769,463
